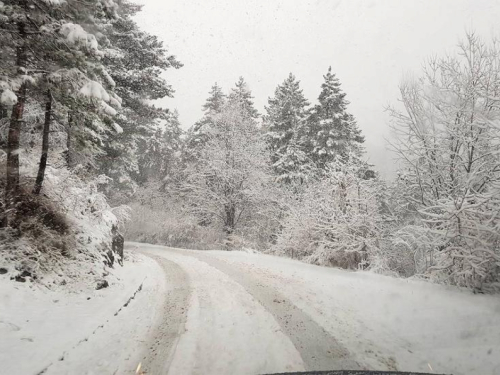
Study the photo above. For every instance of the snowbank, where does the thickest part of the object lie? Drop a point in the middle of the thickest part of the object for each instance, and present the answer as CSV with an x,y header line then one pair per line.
x,y
67,231
84,332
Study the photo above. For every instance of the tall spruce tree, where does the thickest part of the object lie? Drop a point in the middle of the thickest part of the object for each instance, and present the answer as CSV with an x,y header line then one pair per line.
x,y
332,130
213,105
158,154
285,120
198,133
215,101
136,67
242,96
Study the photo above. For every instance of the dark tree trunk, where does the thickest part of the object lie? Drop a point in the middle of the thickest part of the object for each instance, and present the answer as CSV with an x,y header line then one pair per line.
x,y
3,112
3,215
3,145
230,221
16,119
45,145
69,161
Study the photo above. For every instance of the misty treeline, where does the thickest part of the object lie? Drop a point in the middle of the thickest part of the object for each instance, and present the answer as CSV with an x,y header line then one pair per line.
x,y
293,180
83,149
76,81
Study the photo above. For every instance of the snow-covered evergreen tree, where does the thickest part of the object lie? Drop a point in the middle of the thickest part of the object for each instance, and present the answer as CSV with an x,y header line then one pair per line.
x,y
54,72
215,102
53,55
241,96
81,69
332,129
198,134
285,123
213,105
136,64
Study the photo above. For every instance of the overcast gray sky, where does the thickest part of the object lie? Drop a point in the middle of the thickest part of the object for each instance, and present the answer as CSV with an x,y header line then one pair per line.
x,y
369,44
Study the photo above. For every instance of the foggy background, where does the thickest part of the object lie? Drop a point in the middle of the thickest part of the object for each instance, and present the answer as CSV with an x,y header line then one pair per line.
x,y
369,44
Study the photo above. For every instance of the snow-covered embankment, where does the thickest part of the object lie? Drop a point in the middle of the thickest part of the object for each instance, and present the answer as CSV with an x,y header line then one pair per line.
x,y
77,328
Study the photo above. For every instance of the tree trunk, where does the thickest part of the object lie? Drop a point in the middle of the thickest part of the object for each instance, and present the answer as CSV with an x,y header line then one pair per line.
x,y
3,112
45,145
69,161
229,225
230,221
12,175
3,145
13,141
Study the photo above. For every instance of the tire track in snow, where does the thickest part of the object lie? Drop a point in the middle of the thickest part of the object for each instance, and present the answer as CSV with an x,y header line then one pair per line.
x,y
165,336
319,350
228,331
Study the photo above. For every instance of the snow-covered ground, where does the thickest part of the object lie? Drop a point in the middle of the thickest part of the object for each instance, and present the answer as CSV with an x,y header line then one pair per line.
x,y
374,321
82,331
215,312
390,323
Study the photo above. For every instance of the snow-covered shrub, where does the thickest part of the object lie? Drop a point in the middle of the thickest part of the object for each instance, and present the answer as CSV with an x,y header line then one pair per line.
x,y
335,220
297,238
66,231
405,252
449,143
159,216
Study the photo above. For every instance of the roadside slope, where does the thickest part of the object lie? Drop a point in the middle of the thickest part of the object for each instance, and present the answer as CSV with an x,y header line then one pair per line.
x,y
57,331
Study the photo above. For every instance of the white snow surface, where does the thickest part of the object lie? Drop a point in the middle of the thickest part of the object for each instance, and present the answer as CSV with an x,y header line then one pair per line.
x,y
8,98
108,109
391,323
118,128
64,332
54,2
230,328
94,89
222,336
75,34
385,323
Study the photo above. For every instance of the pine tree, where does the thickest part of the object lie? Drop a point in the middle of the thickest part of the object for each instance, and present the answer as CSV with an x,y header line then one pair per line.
x,y
51,57
198,134
135,67
213,105
285,120
332,130
215,101
158,155
242,97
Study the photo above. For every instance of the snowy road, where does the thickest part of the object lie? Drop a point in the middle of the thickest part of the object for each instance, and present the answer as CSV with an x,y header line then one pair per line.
x,y
214,312
240,313
236,323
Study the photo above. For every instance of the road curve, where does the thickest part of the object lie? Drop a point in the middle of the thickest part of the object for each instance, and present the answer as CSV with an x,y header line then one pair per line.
x,y
221,318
